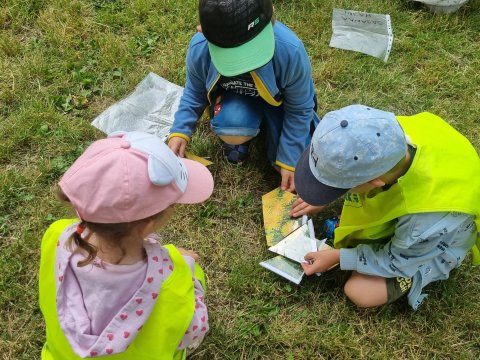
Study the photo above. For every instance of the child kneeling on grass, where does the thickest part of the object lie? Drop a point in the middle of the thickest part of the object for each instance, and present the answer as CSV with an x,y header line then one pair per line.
x,y
412,200
107,287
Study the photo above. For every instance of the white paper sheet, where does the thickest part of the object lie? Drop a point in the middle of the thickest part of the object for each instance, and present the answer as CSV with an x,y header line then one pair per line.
x,y
367,33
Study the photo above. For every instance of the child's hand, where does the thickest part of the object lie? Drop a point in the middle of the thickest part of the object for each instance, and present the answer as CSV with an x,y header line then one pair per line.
x,y
320,261
300,207
190,253
178,145
287,180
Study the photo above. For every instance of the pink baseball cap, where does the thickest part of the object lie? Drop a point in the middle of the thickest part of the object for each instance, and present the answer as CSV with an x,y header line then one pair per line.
x,y
130,176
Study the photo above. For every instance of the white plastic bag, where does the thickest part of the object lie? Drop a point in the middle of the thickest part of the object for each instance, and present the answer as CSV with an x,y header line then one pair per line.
x,y
367,33
443,6
150,108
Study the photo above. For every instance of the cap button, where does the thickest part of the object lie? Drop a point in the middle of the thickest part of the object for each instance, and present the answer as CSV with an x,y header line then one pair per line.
x,y
344,123
125,144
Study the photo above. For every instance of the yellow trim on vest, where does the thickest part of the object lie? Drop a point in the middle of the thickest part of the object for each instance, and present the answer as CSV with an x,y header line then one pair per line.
x,y
263,91
282,165
161,333
180,135
200,276
450,184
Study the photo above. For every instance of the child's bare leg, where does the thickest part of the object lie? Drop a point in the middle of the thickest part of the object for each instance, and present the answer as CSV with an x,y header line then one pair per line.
x,y
235,139
366,291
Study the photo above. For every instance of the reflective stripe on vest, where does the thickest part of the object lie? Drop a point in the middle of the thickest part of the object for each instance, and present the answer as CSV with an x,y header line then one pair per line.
x,y
161,333
437,180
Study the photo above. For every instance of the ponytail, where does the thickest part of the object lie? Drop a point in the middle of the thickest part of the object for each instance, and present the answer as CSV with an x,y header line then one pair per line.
x,y
78,240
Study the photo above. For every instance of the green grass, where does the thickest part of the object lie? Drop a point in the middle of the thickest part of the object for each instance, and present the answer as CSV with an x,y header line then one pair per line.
x,y
62,62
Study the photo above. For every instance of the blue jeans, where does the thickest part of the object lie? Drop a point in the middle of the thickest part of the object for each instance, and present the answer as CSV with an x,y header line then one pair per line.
x,y
238,115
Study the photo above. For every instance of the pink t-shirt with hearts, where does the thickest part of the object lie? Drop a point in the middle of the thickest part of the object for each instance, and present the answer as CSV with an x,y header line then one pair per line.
x,y
101,307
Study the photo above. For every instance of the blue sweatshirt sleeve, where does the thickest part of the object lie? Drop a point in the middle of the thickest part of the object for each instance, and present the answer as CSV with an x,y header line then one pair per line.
x,y
194,98
418,239
298,106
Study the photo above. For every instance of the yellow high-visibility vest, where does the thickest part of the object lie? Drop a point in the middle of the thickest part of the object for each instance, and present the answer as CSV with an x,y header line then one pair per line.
x,y
444,176
161,333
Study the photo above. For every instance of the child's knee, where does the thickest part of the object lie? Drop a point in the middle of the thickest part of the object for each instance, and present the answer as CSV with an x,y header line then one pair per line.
x,y
354,294
365,294
235,140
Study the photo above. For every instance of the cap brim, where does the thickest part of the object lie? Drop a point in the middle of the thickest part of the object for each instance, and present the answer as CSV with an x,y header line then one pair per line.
x,y
246,57
200,183
312,191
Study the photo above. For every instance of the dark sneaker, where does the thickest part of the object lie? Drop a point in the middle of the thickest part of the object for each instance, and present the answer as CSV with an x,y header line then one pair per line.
x,y
236,154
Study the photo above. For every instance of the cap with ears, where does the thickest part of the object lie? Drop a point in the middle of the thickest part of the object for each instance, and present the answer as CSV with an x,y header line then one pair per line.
x,y
130,176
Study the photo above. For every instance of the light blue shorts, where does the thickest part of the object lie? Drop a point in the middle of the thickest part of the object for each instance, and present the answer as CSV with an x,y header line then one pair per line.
x,y
239,115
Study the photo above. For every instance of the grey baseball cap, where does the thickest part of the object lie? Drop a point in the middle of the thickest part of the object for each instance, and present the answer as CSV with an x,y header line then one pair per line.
x,y
349,147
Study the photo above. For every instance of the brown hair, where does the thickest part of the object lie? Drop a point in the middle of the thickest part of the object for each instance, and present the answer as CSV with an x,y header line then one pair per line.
x,y
114,234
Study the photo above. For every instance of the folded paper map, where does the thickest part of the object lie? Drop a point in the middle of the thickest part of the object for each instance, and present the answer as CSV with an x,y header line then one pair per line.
x,y
284,267
296,245
276,206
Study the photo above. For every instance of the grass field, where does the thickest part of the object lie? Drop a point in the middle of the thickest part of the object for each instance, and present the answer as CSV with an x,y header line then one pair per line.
x,y
62,62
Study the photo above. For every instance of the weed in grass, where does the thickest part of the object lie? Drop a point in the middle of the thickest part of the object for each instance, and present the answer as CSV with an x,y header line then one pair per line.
x,y
60,164
146,44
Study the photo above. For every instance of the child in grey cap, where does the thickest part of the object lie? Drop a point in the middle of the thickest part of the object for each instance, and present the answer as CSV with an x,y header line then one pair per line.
x,y
412,205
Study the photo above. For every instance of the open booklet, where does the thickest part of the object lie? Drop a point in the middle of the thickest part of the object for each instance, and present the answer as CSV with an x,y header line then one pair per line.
x,y
292,251
297,244
291,238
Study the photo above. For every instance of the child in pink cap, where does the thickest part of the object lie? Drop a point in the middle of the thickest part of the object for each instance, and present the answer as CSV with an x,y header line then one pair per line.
x,y
107,287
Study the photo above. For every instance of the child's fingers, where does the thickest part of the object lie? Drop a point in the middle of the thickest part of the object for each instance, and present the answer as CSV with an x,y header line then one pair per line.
x,y
310,256
181,150
298,208
291,185
297,201
284,184
307,268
